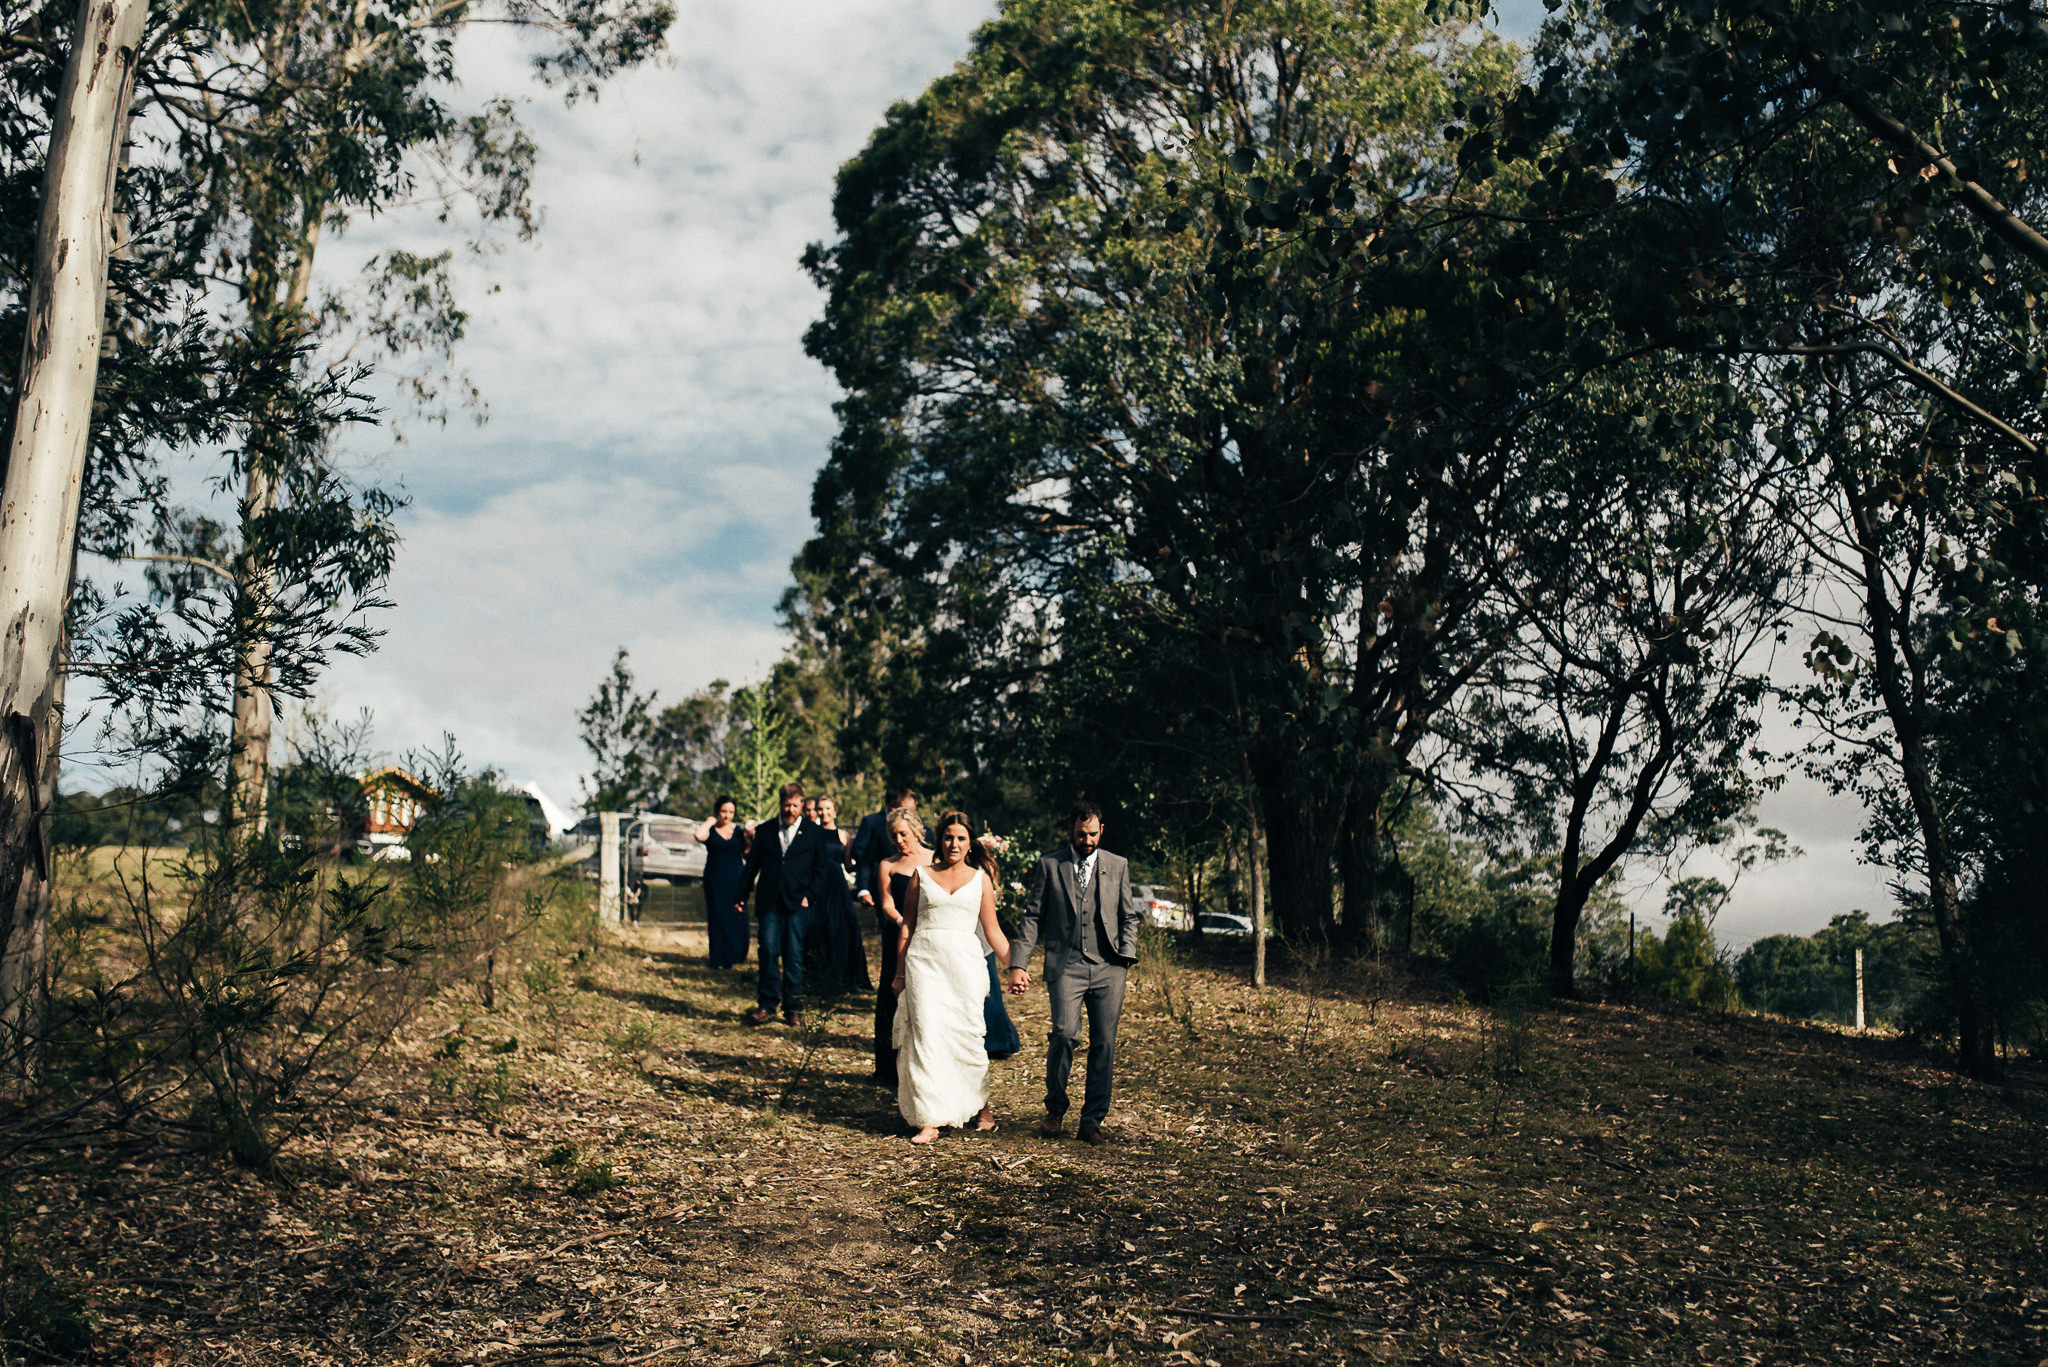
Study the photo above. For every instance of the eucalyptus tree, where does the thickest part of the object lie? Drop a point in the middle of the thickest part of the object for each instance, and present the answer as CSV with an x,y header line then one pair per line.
x,y
49,438
1620,722
255,129
162,377
1097,363
296,117
1836,197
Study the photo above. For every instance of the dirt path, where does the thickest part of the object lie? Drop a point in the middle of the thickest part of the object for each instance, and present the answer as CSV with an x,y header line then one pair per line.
x,y
618,1171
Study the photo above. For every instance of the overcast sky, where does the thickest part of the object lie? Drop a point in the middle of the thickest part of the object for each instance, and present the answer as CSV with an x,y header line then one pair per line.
x,y
654,425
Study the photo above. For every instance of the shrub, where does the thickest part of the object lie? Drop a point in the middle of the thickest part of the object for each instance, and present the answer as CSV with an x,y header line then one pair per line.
x,y
239,989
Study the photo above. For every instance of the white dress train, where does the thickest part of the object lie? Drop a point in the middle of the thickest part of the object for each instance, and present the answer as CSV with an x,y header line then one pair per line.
x,y
942,1063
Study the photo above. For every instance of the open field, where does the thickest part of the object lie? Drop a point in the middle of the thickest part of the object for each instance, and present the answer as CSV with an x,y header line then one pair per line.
x,y
109,863
613,1169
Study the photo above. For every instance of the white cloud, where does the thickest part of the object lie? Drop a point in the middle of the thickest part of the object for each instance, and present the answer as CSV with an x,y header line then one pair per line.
x,y
654,424
511,612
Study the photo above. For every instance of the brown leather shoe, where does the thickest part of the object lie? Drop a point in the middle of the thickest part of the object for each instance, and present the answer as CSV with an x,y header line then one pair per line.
x,y
1092,1134
794,1020
1050,1126
760,1015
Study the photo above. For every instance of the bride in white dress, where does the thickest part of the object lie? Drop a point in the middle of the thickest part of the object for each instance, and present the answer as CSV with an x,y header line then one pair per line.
x,y
942,1064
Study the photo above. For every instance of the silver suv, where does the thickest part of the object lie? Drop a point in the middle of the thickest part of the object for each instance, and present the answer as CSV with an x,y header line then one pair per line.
x,y
665,847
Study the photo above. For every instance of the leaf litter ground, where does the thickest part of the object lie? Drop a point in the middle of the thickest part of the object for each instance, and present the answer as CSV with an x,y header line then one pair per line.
x,y
616,1170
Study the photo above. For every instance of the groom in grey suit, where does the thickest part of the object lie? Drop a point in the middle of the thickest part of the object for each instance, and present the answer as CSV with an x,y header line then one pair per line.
x,y
1079,902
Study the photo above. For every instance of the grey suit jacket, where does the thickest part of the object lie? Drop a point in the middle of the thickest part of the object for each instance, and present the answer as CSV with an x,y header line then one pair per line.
x,y
1051,911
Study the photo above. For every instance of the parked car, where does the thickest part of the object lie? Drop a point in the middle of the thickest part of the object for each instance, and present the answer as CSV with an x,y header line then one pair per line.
x,y
1157,908
1223,923
663,847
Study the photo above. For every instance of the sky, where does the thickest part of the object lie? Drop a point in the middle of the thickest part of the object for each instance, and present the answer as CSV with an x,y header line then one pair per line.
x,y
653,425
643,478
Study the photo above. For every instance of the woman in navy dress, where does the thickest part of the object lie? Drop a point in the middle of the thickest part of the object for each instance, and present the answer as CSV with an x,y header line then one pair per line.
x,y
906,833
835,960
725,859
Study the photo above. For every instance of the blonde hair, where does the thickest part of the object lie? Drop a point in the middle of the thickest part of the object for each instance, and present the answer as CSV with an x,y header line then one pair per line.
x,y
908,820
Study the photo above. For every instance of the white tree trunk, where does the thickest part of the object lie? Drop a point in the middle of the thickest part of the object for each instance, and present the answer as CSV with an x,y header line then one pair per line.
x,y
67,304
249,758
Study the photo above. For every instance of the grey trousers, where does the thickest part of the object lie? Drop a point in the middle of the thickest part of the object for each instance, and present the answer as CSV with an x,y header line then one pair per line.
x,y
1099,990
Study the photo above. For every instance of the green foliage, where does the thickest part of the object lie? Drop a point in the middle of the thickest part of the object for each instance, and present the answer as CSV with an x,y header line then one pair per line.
x,y
595,1179
171,816
744,743
1684,966
615,727
245,986
316,796
635,1037
260,132
761,758
687,750
275,981
484,1088
1814,976
1486,918
1114,229
1833,198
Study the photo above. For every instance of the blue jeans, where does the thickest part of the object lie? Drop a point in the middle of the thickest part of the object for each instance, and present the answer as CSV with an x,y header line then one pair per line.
x,y
782,957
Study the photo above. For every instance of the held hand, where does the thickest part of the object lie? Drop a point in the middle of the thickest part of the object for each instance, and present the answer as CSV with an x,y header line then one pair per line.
x,y
897,986
1020,979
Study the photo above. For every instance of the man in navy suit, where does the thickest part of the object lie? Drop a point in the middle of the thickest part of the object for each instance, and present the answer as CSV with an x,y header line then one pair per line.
x,y
872,844
788,859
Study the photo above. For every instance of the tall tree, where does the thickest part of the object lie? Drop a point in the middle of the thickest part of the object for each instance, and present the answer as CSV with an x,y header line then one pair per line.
x,y
301,115
1097,361
1837,194
616,726
49,436
1619,722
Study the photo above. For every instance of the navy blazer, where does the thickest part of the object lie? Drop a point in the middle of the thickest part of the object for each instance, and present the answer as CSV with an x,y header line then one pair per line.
x,y
871,845
787,880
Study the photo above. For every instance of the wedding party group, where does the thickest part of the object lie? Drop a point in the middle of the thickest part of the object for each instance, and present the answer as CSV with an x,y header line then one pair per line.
x,y
946,962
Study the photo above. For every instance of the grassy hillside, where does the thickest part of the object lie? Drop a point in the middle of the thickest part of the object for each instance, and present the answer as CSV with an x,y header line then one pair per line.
x,y
612,1169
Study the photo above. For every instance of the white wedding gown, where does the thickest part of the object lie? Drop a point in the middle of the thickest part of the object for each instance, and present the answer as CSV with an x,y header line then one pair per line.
x,y
942,1063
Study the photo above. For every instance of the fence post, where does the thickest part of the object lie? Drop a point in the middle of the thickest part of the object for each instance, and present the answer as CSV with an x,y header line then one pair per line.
x,y
1859,991
609,901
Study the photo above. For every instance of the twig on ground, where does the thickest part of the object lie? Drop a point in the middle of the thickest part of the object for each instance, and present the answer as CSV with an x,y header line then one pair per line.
x,y
1228,1317
671,1347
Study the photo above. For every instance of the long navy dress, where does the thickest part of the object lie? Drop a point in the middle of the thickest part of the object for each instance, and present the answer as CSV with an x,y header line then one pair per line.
x,y
999,1032
885,996
835,960
725,858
